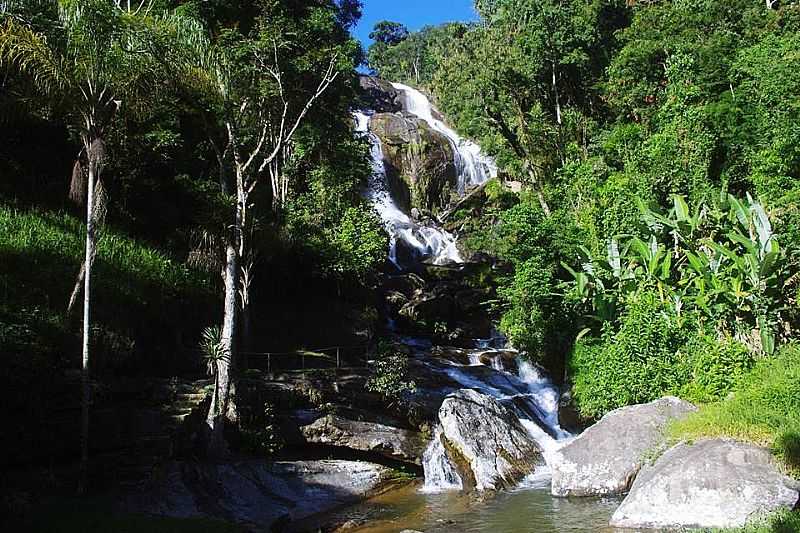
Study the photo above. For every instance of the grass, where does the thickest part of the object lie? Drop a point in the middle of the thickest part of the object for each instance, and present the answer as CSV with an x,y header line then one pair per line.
x,y
781,522
147,312
133,282
764,409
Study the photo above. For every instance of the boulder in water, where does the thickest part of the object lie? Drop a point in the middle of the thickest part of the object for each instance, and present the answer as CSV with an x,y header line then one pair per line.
x,y
713,483
389,441
419,161
486,441
605,459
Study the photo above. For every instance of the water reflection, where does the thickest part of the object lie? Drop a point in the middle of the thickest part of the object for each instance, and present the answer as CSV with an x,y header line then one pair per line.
x,y
528,509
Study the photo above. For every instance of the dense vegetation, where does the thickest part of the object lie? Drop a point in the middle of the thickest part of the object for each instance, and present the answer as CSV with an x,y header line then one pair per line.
x,y
203,128
656,240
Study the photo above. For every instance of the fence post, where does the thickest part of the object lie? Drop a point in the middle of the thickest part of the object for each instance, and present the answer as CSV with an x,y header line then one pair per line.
x,y
304,360
337,357
269,363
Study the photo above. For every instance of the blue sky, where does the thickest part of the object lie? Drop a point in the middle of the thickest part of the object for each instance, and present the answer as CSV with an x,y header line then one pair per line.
x,y
412,13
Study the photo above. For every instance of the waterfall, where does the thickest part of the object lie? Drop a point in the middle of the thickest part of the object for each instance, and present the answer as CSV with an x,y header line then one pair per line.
x,y
472,166
526,391
440,474
427,241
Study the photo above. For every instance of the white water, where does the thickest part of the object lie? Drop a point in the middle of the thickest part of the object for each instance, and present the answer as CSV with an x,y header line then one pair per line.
x,y
426,241
440,474
528,393
472,166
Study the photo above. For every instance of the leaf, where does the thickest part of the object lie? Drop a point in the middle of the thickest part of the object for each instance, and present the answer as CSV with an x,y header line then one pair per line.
x,y
666,266
681,208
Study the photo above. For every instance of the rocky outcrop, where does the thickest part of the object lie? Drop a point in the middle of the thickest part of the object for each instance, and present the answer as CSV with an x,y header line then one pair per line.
x,y
258,493
380,95
392,442
709,484
605,459
485,441
419,161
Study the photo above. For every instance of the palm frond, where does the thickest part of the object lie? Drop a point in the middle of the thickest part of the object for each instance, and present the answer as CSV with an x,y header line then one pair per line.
x,y
23,48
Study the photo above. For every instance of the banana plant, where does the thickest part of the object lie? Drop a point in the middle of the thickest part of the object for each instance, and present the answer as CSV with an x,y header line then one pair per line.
x,y
721,260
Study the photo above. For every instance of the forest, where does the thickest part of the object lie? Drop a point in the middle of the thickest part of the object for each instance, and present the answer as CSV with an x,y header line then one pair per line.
x,y
657,144
183,197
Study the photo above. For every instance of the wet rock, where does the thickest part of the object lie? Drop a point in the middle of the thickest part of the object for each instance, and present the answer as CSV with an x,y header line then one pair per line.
x,y
389,441
379,95
568,416
709,484
258,493
407,284
486,442
470,300
429,308
419,161
396,300
605,459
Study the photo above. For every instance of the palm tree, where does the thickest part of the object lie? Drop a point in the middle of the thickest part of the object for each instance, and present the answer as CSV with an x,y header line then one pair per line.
x,y
98,57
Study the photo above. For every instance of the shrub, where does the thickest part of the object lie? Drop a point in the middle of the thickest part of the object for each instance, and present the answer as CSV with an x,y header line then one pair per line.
x,y
389,375
636,364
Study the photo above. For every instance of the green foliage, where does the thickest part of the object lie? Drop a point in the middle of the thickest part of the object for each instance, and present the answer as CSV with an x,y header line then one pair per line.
x,y
260,430
532,305
389,374
764,409
360,243
650,355
721,261
779,522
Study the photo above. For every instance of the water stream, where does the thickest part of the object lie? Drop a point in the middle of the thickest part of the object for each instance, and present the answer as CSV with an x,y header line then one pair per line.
x,y
439,504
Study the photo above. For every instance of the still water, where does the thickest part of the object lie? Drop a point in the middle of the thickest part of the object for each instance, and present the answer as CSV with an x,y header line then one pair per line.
x,y
526,509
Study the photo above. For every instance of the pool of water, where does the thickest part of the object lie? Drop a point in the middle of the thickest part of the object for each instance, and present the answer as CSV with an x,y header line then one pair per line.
x,y
529,508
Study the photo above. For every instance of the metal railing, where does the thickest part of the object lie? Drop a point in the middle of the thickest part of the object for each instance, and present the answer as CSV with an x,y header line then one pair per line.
x,y
317,358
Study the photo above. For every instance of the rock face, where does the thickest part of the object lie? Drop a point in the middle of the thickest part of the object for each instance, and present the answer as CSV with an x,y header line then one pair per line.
x,y
380,95
258,493
605,459
487,443
419,161
392,442
709,484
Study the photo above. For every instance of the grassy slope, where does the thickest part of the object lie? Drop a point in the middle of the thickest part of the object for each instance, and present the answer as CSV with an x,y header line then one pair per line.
x,y
136,287
764,409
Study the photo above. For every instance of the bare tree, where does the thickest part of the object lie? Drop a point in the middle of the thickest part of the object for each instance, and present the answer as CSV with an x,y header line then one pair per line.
x,y
257,135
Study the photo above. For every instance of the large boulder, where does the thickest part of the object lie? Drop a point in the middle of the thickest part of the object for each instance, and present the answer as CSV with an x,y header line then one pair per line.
x,y
485,441
419,161
605,459
392,442
380,95
257,493
713,483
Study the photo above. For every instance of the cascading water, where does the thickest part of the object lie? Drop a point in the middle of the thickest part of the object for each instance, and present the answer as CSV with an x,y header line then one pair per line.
x,y
527,392
532,397
429,242
472,166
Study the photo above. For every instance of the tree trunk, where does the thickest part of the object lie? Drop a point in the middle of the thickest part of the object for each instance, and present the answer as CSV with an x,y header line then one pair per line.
x,y
223,404
539,193
87,280
556,96
220,402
